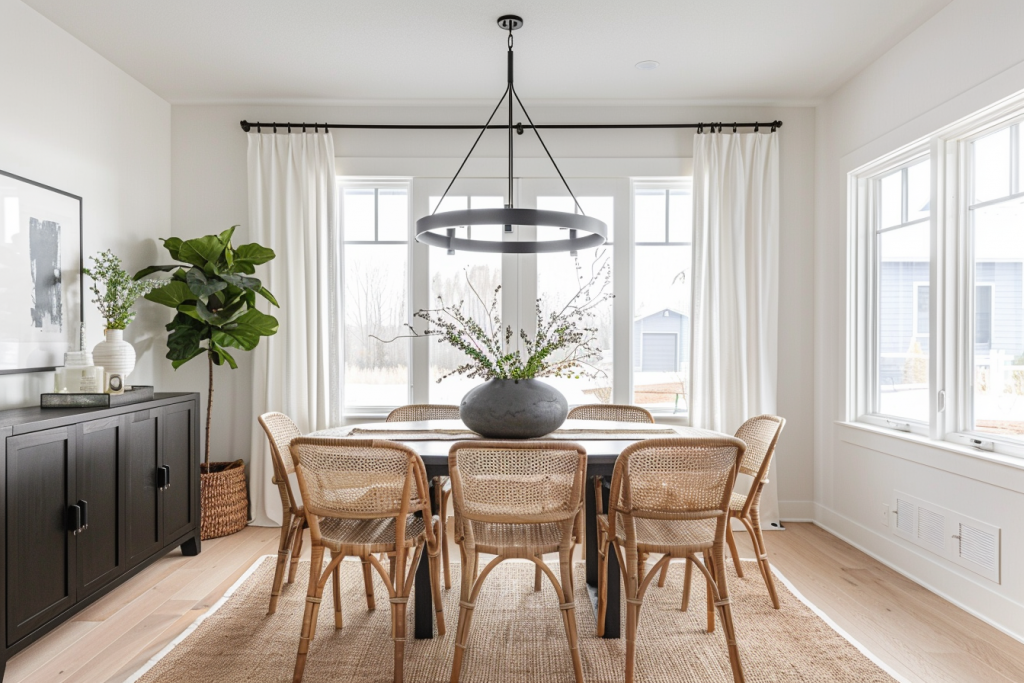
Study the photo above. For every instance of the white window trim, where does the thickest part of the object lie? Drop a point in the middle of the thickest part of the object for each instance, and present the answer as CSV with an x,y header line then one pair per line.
x,y
650,172
952,306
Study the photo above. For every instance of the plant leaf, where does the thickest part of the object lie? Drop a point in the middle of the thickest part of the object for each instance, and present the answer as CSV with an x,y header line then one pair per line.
x,y
268,296
150,270
245,332
183,343
173,246
173,294
221,356
242,281
201,251
202,285
225,237
254,254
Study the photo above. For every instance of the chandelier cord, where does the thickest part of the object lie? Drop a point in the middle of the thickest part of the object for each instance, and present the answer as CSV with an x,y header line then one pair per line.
x,y
511,156
537,132
480,135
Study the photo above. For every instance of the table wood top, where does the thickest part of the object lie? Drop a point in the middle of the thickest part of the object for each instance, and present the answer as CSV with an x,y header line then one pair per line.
x,y
433,447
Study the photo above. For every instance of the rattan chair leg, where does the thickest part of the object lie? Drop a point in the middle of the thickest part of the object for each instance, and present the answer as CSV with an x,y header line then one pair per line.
x,y
443,510
710,564
664,575
568,609
536,575
336,588
762,556
687,579
309,616
296,551
732,548
434,564
398,609
723,602
602,588
371,602
283,552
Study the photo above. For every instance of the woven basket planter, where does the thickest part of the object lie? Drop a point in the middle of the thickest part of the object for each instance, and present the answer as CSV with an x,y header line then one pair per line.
x,y
225,501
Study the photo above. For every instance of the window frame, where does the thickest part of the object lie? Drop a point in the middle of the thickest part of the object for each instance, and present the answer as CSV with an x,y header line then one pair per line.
x,y
953,286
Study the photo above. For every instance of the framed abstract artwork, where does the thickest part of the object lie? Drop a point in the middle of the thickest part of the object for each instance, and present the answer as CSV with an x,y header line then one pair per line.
x,y
40,275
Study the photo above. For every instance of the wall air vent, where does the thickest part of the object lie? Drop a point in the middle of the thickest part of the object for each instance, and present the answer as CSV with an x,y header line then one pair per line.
x,y
957,538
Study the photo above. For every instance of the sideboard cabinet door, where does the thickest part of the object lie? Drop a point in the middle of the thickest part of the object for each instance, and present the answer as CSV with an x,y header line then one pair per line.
x,y
102,466
41,545
178,459
144,500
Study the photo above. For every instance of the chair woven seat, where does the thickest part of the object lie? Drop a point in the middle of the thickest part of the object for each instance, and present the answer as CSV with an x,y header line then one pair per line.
x,y
377,534
682,536
498,539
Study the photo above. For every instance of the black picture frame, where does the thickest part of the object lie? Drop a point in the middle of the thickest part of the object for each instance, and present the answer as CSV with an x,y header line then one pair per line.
x,y
13,185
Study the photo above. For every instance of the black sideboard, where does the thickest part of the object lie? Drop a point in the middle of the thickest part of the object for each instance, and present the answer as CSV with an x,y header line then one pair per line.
x,y
89,498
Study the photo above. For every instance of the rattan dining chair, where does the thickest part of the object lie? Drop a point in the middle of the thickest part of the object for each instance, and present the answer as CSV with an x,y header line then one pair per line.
x,y
760,434
517,500
280,431
417,413
361,498
669,496
610,411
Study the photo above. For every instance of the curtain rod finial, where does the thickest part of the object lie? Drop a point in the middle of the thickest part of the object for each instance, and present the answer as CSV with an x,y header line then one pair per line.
x,y
245,125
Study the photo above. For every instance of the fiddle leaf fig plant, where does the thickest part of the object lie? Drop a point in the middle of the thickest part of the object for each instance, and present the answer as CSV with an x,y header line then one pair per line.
x,y
214,296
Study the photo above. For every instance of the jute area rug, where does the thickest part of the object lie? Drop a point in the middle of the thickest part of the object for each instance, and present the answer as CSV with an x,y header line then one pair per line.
x,y
516,637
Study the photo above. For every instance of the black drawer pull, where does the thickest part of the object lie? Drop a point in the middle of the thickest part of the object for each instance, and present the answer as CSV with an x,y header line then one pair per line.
x,y
167,477
74,519
84,505
161,478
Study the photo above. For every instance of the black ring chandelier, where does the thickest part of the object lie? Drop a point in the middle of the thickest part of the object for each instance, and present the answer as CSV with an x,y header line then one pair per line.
x,y
449,221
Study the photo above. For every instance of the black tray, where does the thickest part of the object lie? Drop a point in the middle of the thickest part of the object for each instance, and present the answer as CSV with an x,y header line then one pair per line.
x,y
136,394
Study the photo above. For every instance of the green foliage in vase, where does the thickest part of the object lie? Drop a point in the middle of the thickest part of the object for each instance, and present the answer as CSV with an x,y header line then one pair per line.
x,y
565,344
114,291
214,296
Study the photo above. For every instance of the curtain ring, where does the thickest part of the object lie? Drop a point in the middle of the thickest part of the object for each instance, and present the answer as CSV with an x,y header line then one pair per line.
x,y
259,129
700,128
275,127
303,128
733,126
289,128
719,126
757,127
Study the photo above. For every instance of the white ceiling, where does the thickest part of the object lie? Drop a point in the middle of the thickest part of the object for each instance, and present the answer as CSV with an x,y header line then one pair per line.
x,y
267,51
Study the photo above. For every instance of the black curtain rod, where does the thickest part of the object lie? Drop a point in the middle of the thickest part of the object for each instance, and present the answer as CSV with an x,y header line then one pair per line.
x,y
519,127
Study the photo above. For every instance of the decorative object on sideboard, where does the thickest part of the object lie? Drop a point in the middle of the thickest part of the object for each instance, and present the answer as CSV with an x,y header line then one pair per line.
x,y
513,403
115,300
136,394
80,375
41,232
214,297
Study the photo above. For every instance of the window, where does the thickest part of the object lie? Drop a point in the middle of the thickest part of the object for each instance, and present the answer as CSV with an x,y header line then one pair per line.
x,y
387,276
663,256
470,277
375,230
938,296
996,230
902,267
560,277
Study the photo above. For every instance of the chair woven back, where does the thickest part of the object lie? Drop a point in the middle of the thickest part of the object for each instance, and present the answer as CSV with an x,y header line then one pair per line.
x,y
760,433
610,411
519,482
676,478
280,431
359,479
423,411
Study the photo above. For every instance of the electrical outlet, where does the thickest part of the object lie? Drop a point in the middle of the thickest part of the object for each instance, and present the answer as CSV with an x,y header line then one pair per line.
x,y
885,514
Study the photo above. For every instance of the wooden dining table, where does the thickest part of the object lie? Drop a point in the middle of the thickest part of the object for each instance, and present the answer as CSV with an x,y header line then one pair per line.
x,y
603,441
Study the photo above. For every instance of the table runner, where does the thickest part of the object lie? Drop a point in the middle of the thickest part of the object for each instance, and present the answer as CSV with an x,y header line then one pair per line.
x,y
465,434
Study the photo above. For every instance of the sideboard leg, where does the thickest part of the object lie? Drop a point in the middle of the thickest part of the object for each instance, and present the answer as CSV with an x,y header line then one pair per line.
x,y
189,548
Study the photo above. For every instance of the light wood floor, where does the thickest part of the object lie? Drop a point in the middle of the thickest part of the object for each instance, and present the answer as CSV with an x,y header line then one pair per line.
x,y
917,633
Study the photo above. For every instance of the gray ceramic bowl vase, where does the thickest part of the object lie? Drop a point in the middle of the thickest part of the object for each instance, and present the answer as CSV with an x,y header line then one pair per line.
x,y
513,409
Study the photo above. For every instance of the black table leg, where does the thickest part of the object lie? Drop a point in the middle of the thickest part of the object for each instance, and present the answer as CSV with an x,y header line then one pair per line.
x,y
424,603
611,627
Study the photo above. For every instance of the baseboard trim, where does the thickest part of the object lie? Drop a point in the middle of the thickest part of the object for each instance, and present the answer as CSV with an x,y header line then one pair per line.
x,y
848,530
796,510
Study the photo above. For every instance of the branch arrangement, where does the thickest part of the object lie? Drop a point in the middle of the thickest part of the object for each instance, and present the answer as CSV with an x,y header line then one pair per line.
x,y
565,344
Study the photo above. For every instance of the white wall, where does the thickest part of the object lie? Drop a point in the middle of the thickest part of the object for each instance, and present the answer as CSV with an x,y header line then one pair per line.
x,y
72,120
966,57
209,194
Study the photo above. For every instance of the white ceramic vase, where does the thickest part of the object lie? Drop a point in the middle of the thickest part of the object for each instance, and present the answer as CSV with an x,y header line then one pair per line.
x,y
114,354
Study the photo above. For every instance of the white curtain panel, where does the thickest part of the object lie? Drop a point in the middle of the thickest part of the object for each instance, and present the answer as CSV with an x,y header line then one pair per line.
x,y
736,285
292,205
